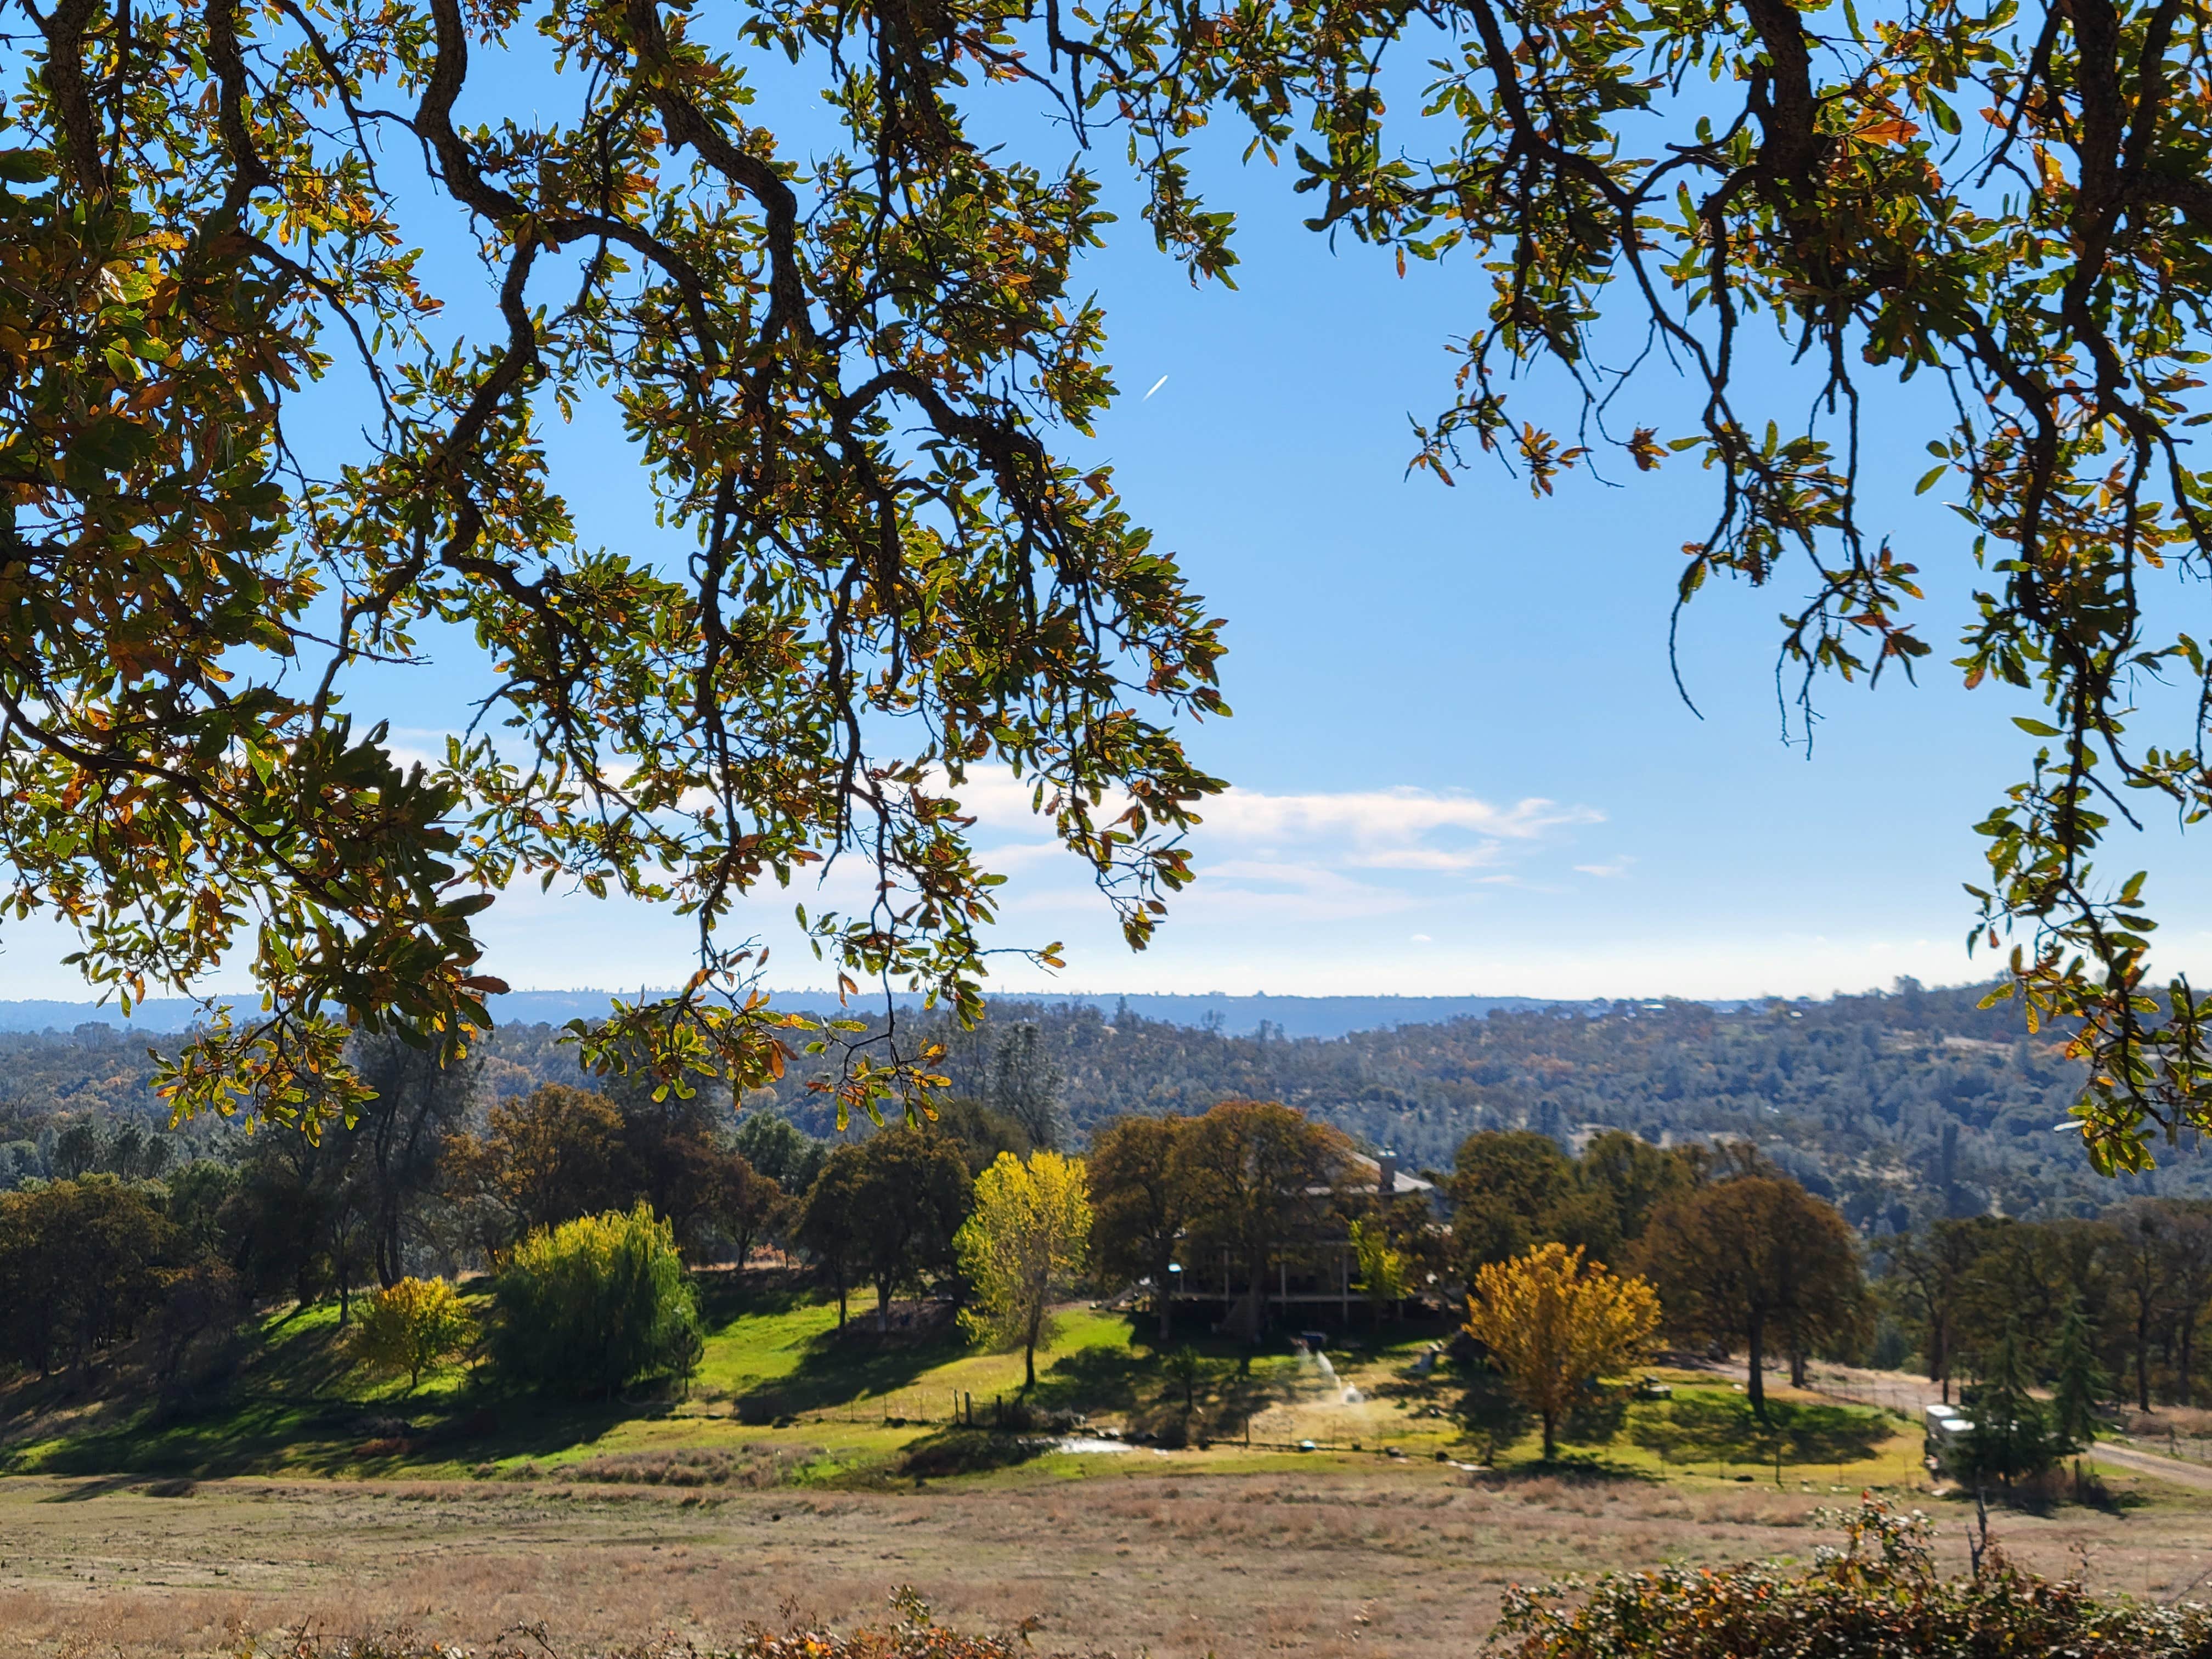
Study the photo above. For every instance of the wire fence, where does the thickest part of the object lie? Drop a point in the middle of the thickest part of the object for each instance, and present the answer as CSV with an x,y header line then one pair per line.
x,y
1905,1399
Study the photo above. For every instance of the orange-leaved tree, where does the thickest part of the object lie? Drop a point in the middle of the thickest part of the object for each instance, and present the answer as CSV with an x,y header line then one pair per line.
x,y
1554,1323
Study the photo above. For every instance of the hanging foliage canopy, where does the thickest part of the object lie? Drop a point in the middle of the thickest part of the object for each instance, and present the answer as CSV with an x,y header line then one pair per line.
x,y
844,379
840,380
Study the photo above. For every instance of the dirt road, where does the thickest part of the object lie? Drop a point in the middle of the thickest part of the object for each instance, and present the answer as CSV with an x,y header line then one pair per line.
x,y
2196,1476
1904,1392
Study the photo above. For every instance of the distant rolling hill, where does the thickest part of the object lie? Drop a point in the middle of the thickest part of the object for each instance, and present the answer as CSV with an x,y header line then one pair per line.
x,y
1297,1016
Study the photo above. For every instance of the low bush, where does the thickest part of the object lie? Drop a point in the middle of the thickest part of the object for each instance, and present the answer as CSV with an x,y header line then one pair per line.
x,y
912,1635
753,1468
595,1305
1878,1597
954,1451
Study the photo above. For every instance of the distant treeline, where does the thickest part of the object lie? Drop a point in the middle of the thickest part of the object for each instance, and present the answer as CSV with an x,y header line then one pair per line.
x,y
1901,1107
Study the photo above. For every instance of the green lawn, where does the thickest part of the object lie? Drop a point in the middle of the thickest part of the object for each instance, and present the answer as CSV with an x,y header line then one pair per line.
x,y
776,1372
782,1394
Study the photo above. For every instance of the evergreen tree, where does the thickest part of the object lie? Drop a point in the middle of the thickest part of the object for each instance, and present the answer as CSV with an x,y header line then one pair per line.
x,y
2012,1438
2081,1382
1025,1085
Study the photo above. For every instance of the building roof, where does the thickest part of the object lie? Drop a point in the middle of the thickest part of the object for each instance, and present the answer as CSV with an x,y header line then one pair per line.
x,y
1368,1172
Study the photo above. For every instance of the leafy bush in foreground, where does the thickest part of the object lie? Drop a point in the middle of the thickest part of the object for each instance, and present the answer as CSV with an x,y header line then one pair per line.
x,y
1878,1595
595,1304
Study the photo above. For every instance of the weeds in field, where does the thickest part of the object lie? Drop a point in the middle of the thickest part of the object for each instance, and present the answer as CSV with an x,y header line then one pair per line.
x,y
911,1634
753,1467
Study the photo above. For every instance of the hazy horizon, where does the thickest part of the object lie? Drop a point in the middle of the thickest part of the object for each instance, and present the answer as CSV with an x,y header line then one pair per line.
x,y
1240,1013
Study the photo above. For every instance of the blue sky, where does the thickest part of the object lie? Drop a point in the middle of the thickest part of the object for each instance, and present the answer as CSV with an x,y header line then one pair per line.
x,y
1460,765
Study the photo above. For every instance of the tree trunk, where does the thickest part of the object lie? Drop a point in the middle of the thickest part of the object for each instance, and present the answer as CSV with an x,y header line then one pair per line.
x,y
840,1301
1796,1367
1551,1434
2142,1361
883,1306
2187,1339
387,1245
1755,1388
1163,1293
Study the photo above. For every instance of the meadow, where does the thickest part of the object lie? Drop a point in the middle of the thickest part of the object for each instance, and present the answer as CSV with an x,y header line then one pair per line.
x,y
783,1397
1168,1554
809,1474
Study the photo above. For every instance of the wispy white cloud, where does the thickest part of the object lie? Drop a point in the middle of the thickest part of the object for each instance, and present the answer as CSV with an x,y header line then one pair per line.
x,y
1414,830
1310,856
1613,868
1386,817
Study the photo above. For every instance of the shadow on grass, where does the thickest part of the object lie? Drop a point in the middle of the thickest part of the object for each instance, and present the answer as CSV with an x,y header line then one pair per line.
x,y
250,1435
2056,1487
90,1489
725,1297
840,1366
1096,1380
1580,1469
1700,1428
500,1427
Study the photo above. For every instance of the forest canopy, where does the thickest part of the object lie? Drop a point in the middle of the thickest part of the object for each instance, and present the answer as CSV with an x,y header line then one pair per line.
x,y
845,379
1902,1107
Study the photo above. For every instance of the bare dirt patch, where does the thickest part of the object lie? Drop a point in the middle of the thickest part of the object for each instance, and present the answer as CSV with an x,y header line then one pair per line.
x,y
1407,1560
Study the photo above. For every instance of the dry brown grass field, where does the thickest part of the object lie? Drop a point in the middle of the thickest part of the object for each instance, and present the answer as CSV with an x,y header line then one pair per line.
x,y
1143,1555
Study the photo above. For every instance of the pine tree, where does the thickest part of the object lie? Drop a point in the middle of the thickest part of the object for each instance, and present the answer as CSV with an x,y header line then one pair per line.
x,y
2081,1382
2012,1438
1025,1085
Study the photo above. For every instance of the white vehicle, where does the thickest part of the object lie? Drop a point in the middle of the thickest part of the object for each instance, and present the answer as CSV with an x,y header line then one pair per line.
x,y
1946,1431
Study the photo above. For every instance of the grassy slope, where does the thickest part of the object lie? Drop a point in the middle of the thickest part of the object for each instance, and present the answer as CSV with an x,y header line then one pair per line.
x,y
296,1407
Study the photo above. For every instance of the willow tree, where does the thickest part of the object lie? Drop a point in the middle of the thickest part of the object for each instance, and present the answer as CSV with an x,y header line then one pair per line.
x,y
247,453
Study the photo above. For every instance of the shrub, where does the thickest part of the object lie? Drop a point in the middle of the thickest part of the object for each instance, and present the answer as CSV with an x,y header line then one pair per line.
x,y
415,1326
910,1634
596,1304
756,1467
1879,1596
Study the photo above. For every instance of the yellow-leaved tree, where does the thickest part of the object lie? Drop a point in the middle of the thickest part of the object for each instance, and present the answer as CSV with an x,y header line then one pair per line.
x,y
1028,1236
1554,1322
415,1325
1385,1272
